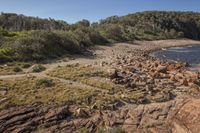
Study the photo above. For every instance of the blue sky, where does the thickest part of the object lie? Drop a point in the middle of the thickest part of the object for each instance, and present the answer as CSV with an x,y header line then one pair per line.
x,y
93,10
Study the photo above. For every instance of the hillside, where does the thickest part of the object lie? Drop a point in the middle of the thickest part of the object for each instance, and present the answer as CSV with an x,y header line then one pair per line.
x,y
15,22
152,25
29,38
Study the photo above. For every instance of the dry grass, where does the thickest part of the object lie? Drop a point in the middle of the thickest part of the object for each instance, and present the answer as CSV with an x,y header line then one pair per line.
x,y
99,79
97,90
25,90
77,72
87,75
13,68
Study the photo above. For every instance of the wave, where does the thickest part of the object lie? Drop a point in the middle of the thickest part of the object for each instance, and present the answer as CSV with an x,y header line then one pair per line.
x,y
180,51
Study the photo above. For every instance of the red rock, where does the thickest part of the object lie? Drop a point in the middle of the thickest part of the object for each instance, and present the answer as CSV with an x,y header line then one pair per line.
x,y
185,82
81,113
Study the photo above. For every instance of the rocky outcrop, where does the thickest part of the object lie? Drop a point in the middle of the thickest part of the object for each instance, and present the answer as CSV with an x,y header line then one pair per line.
x,y
187,119
176,116
160,81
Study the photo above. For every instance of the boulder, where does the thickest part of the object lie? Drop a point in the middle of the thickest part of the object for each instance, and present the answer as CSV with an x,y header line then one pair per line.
x,y
162,69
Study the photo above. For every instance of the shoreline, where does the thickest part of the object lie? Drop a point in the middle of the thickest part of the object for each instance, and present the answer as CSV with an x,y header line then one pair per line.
x,y
147,92
192,66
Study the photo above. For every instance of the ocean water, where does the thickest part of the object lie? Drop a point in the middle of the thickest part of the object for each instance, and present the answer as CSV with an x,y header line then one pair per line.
x,y
189,54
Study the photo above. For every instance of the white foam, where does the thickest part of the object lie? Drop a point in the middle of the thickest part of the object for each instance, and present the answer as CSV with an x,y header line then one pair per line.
x,y
179,51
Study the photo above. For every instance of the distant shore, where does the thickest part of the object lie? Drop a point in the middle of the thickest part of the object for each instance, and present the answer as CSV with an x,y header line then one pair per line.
x,y
151,46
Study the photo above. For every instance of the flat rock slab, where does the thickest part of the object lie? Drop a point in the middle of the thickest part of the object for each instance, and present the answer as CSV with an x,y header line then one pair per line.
x,y
176,116
187,119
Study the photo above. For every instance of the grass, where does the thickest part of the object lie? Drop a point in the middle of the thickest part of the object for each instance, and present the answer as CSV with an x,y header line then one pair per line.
x,y
85,74
76,72
98,78
97,92
32,90
14,68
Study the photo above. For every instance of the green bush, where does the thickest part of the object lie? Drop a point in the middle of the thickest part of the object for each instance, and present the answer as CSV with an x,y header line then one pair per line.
x,y
38,68
44,82
26,65
6,55
17,69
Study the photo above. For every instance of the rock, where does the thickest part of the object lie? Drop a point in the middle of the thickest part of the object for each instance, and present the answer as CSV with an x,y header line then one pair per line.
x,y
187,119
171,67
112,73
162,69
3,91
172,78
161,97
103,63
58,113
81,113
194,88
185,82
3,100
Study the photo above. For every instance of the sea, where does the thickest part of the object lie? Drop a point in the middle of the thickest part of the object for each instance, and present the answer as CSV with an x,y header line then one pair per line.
x,y
189,54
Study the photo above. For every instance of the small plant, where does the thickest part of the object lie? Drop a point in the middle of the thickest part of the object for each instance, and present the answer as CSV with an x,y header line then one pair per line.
x,y
38,68
83,130
26,65
113,130
17,69
45,82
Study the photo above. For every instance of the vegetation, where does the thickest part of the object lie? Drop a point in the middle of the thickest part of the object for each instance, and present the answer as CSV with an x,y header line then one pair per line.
x,y
30,90
91,89
13,68
38,68
44,82
96,78
17,69
14,22
28,38
152,25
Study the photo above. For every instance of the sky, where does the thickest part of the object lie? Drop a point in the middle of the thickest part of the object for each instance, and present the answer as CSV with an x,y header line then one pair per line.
x,y
93,10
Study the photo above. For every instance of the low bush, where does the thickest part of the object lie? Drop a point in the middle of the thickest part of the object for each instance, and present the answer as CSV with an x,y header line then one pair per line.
x,y
44,82
6,55
26,65
38,68
17,69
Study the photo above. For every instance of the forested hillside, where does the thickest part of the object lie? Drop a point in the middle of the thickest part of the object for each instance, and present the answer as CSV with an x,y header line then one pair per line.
x,y
152,25
14,22
30,38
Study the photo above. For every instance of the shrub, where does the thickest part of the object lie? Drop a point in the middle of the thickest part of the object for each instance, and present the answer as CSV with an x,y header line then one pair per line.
x,y
17,69
44,82
38,68
26,65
